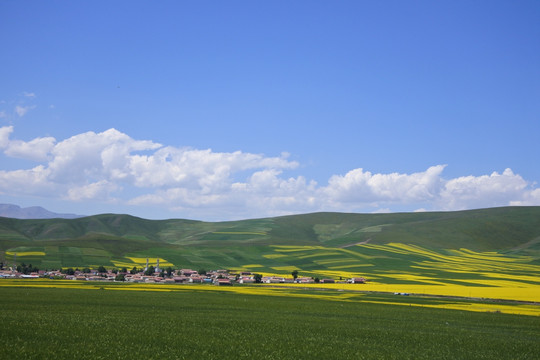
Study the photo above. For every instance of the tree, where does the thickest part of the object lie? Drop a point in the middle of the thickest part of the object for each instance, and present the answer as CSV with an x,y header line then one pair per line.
x,y
294,274
134,270
257,278
86,270
101,269
120,277
317,280
150,271
202,271
169,271
26,269
124,270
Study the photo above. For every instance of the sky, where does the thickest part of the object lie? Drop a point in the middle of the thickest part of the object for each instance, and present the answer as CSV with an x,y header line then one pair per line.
x,y
232,110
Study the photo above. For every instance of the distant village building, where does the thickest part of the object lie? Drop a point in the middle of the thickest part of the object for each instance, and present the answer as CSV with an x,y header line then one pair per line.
x,y
223,282
358,280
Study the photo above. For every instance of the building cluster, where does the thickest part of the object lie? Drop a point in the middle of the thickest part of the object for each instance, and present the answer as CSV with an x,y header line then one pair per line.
x,y
182,276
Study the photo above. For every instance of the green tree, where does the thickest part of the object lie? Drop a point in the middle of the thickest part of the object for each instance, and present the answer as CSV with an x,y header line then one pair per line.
x,y
101,269
169,271
134,270
30,269
202,271
124,270
120,277
150,271
317,280
294,274
86,270
27,269
257,278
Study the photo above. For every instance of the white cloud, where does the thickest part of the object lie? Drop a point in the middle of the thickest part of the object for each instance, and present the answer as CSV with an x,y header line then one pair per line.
x,y
98,190
483,191
5,131
110,166
3,114
37,149
201,169
91,157
29,94
22,110
363,187
27,182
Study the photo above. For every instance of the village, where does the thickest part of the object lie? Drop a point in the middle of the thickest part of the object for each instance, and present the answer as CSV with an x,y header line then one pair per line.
x,y
151,274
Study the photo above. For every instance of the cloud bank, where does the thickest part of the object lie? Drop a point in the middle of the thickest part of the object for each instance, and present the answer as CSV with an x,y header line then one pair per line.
x,y
111,167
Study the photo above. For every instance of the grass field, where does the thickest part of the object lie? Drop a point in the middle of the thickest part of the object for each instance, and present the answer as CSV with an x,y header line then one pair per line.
x,y
78,320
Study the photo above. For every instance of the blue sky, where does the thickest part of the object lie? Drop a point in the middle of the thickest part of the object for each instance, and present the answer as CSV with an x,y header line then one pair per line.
x,y
218,111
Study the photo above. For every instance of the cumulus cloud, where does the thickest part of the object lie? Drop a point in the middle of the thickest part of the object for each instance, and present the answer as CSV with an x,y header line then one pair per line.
x,y
97,190
27,182
483,191
37,149
91,157
191,168
110,166
96,165
359,186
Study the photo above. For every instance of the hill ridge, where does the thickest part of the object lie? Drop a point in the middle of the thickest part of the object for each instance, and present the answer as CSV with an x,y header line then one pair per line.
x,y
112,238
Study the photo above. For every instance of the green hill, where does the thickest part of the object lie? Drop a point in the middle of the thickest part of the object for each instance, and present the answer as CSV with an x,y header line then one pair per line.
x,y
319,243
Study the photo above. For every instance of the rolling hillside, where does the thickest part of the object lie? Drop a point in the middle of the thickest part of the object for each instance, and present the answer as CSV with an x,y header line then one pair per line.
x,y
325,244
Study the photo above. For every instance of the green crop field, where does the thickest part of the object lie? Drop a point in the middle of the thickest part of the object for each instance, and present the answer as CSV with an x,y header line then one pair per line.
x,y
93,321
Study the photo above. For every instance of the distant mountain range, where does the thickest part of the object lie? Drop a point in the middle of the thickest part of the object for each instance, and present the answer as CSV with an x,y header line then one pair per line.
x,y
32,212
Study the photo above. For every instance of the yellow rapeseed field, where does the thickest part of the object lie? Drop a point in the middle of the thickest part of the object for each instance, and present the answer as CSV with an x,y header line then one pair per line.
x,y
25,253
151,261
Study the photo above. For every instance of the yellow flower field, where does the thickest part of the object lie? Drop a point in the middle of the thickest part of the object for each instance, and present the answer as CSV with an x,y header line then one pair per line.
x,y
25,253
136,261
505,291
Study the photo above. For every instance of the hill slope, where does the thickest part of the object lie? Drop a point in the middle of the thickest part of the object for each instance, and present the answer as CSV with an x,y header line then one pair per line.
x,y
319,242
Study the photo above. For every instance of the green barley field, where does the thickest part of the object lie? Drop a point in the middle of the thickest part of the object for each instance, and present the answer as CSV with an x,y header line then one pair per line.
x,y
196,322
